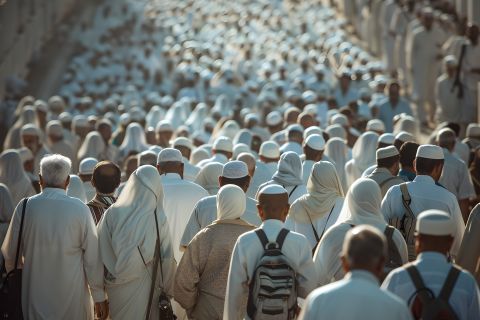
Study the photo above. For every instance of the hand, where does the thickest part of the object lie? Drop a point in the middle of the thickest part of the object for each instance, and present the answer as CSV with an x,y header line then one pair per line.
x,y
101,310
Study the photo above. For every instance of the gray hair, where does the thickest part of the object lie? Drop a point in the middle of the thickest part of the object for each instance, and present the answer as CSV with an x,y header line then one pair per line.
x,y
446,138
147,157
248,159
55,170
364,246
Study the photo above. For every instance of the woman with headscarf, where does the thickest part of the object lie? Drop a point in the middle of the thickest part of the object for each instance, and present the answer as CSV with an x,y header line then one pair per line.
x,y
337,150
314,213
6,211
75,188
363,156
13,139
154,116
14,176
134,141
195,120
92,147
208,177
127,235
176,115
362,206
289,175
201,278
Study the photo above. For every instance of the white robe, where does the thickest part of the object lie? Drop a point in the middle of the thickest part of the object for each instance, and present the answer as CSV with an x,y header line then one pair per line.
x,y
59,267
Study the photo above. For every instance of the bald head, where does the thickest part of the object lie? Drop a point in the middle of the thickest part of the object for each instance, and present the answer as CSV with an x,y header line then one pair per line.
x,y
106,177
249,161
446,138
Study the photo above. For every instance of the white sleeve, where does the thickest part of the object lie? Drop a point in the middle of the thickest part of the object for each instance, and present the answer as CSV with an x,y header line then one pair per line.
x,y
237,285
460,228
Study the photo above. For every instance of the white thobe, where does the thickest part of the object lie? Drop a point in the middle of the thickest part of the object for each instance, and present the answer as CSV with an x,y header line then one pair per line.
x,y
205,212
449,106
365,300
190,171
218,157
292,146
321,225
386,15
425,195
456,177
62,269
433,268
263,173
180,197
462,150
246,254
343,99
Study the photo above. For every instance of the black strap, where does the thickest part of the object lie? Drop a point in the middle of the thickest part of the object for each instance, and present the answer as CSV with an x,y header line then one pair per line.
x,y
281,237
264,240
406,201
263,237
19,241
449,283
389,232
318,238
293,190
421,290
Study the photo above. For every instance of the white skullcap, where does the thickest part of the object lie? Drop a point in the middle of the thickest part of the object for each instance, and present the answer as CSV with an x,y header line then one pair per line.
x,y
80,121
65,117
269,149
387,138
295,128
30,130
429,151
404,137
235,170
55,128
182,142
274,118
164,126
272,189
387,152
435,223
450,60
473,130
155,149
125,119
240,148
223,144
316,142
41,106
375,125
169,155
87,165
25,154
340,119
312,130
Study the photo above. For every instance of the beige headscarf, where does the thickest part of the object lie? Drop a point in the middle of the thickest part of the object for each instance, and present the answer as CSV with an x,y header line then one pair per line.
x,y
231,202
324,188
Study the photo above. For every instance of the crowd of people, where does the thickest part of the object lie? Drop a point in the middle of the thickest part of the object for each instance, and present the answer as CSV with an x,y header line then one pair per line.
x,y
239,159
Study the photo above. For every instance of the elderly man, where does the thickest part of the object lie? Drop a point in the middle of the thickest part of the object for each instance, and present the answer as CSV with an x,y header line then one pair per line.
x,y
70,258
185,146
432,275
363,257
180,197
204,213
31,138
403,203
385,174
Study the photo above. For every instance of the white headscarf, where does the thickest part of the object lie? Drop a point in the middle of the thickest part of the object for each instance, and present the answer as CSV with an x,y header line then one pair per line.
x,y
92,147
289,170
243,136
14,177
231,202
75,188
13,140
362,205
6,205
336,149
176,115
229,129
324,188
134,140
131,224
208,177
195,120
364,153
154,116
198,155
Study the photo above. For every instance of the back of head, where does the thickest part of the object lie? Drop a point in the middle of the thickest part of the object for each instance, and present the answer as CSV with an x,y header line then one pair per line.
x,y
147,157
408,152
273,202
231,202
248,159
55,170
446,138
106,177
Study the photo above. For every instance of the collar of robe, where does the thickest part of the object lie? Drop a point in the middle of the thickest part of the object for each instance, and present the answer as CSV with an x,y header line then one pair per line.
x,y
424,179
364,275
432,256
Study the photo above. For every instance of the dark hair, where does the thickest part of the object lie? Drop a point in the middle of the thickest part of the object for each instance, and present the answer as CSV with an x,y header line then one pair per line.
x,y
310,153
387,162
426,166
408,151
240,182
454,126
106,177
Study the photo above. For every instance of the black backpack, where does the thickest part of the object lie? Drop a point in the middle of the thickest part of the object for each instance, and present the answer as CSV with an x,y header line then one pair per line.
x,y
425,305
394,260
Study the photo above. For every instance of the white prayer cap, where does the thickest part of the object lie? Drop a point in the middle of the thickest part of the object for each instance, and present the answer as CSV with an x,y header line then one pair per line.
x,y
169,155
251,117
295,128
274,118
375,125
311,109
427,12
65,117
155,149
56,103
164,126
80,121
387,152
316,142
55,128
364,93
430,151
380,79
223,144
312,130
450,61
87,165
125,119
473,130
30,130
269,149
41,105
235,170
25,154
272,189
182,142
309,96
240,148
387,138
404,137
435,223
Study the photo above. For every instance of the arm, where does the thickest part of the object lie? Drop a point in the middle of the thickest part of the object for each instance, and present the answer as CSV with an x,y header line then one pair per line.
x,y
192,228
9,247
460,228
237,285
169,264
188,276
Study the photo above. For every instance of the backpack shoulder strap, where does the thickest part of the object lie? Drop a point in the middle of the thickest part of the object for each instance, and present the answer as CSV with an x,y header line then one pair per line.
x,y
421,290
405,195
449,283
262,237
293,190
281,237
19,241
389,232
384,182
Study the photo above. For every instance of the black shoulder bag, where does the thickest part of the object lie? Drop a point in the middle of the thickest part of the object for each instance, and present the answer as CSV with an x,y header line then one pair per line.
x,y
11,291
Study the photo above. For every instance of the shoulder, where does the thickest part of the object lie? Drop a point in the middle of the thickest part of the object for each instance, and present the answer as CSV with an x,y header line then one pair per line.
x,y
207,202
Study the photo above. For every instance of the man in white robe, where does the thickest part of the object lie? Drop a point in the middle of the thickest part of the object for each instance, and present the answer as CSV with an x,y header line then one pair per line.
x,y
32,139
185,146
313,149
181,195
222,150
85,172
363,257
62,270
57,143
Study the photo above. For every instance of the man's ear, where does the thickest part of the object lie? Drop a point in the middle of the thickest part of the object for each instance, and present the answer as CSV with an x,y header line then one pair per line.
x,y
40,181
345,264
67,182
260,212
